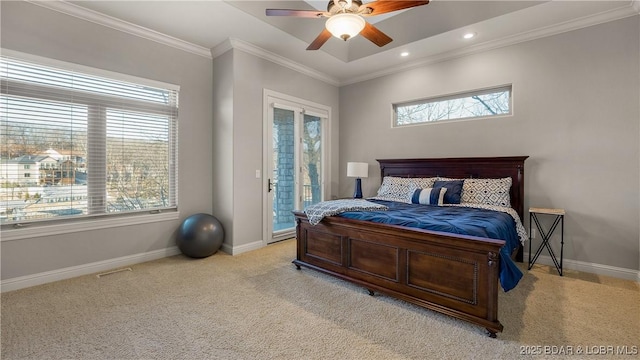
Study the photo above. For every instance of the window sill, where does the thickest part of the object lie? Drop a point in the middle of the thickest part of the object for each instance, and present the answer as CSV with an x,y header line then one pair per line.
x,y
87,225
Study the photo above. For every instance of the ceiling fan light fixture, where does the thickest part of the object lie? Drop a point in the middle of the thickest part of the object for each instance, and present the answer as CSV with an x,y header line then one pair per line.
x,y
345,26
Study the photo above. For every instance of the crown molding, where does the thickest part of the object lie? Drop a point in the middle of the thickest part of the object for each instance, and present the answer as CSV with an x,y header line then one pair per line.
x,y
571,25
633,8
121,25
137,30
221,48
275,58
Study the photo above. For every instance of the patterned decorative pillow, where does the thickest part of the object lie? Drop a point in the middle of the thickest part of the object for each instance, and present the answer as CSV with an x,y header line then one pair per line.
x,y
446,179
401,189
487,191
454,190
423,183
429,196
396,189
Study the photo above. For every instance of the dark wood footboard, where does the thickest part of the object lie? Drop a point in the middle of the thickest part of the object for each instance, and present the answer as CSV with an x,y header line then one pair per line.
x,y
454,275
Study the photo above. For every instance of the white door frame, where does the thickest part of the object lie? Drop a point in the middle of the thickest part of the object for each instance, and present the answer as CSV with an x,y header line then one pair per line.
x,y
300,106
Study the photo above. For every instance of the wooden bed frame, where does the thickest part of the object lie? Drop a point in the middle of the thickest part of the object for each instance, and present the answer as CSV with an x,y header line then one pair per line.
x,y
453,274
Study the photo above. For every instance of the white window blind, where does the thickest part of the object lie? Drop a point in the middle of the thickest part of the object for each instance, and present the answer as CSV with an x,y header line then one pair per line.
x,y
92,145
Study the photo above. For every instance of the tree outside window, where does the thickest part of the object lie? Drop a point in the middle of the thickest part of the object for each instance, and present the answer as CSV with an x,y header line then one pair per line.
x,y
477,104
93,145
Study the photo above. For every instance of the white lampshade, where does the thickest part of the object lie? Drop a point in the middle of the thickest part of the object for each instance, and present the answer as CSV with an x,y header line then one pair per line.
x,y
345,26
357,169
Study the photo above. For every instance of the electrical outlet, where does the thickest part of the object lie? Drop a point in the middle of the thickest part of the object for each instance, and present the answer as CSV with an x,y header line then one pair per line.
x,y
533,233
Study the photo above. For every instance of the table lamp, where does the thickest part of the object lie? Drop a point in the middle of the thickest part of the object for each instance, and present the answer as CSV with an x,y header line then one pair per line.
x,y
358,170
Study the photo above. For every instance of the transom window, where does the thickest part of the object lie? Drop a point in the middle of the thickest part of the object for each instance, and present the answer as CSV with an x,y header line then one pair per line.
x,y
93,145
468,105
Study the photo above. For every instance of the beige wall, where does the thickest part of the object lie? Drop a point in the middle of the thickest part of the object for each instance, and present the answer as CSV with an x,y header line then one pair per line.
x,y
251,75
222,154
575,113
35,30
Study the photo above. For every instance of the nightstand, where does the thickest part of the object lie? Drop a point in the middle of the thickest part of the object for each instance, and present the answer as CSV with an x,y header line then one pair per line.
x,y
559,219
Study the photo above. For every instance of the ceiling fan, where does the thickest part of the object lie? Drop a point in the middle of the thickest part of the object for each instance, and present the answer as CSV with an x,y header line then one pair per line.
x,y
345,19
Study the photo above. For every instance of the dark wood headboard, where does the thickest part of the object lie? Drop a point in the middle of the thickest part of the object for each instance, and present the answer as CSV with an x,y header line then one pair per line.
x,y
461,168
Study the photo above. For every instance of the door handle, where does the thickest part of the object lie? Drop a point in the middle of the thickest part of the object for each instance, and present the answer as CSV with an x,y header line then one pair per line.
x,y
269,188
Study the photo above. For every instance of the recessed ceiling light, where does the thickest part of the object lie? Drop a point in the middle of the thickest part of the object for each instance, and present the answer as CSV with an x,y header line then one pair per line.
x,y
404,53
469,35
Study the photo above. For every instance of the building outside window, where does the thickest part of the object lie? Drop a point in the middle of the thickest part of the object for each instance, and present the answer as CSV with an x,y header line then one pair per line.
x,y
93,144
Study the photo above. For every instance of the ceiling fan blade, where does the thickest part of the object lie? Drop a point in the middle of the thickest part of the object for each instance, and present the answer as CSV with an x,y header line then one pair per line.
x,y
320,40
384,6
296,13
374,35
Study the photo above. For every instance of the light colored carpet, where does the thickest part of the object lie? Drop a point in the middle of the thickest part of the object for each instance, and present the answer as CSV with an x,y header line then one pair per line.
x,y
258,306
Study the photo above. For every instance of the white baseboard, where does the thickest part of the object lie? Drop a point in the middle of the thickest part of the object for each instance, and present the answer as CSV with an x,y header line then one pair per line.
x,y
235,250
74,271
613,271
100,266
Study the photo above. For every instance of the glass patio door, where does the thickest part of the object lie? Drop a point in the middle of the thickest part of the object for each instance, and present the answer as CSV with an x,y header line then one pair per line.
x,y
311,169
284,180
295,171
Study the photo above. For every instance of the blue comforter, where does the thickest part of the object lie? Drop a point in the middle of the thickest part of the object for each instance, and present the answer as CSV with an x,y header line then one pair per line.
x,y
458,220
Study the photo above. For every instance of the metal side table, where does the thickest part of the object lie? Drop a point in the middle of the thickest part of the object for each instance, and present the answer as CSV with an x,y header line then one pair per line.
x,y
559,219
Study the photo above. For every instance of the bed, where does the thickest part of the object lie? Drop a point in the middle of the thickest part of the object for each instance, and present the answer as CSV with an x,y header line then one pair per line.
x,y
453,274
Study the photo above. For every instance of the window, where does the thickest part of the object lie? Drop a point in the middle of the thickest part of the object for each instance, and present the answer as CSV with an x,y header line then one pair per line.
x,y
474,104
101,145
